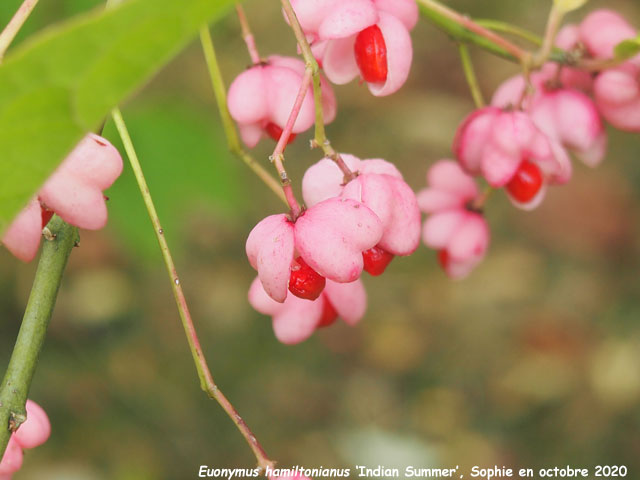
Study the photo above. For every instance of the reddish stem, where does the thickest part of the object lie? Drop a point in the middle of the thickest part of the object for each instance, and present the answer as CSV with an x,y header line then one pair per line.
x,y
278,154
320,139
247,35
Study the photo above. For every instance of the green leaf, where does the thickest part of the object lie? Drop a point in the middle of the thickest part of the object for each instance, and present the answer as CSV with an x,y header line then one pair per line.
x,y
63,83
569,5
627,48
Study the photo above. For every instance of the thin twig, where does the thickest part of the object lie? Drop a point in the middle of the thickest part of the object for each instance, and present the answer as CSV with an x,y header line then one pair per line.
x,y
278,153
15,24
553,26
247,35
17,380
320,139
233,141
470,75
206,379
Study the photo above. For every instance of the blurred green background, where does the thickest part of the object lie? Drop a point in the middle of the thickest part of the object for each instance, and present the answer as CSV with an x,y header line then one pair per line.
x,y
533,361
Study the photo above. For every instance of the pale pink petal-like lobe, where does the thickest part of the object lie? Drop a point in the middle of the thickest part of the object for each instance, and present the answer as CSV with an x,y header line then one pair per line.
x,y
378,165
393,201
261,301
22,238
348,18
568,37
270,249
332,235
12,459
298,320
74,190
498,166
513,132
36,429
472,137
265,94
399,55
95,161
471,239
617,93
282,89
448,176
246,98
76,203
251,133
339,61
571,118
348,299
602,30
439,228
294,321
454,228
404,10
461,269
311,14
324,179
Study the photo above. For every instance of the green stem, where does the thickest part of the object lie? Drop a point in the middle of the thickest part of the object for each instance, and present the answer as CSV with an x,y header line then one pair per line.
x,y
463,28
320,139
61,237
233,141
553,25
503,27
312,64
206,379
15,24
470,75
479,203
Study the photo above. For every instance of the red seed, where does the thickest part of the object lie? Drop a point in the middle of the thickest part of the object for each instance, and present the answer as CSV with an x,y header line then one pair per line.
x,y
376,260
526,183
275,132
304,281
443,259
329,314
46,215
371,55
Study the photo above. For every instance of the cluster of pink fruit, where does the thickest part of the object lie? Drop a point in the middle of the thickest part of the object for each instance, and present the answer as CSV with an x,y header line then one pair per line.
x,y
73,192
318,257
522,142
309,267
369,38
32,433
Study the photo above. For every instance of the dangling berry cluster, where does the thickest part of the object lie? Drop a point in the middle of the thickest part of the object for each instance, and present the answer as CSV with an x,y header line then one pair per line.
x,y
309,267
455,228
261,98
369,38
524,141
